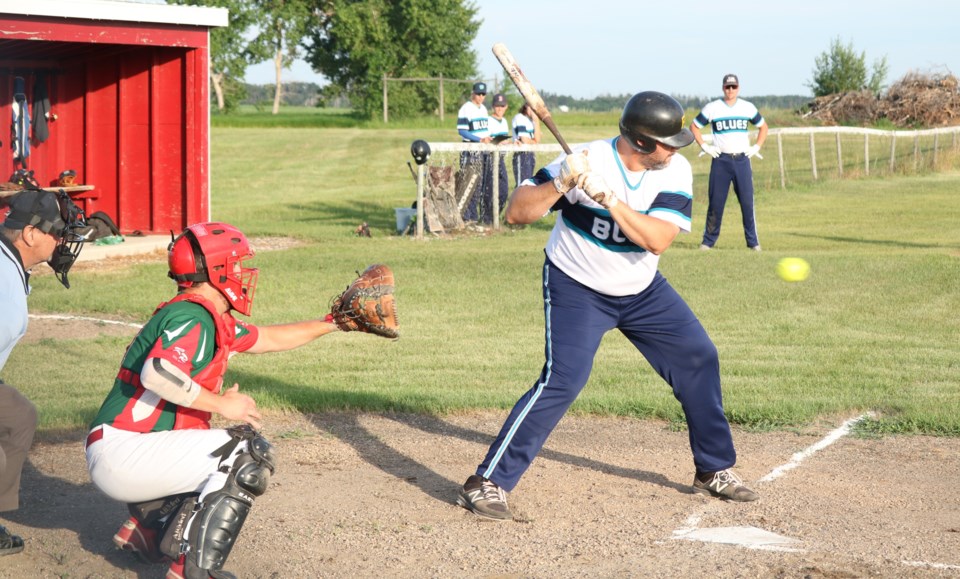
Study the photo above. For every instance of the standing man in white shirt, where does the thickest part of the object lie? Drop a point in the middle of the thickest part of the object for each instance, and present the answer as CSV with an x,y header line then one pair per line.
x,y
472,125
620,203
731,150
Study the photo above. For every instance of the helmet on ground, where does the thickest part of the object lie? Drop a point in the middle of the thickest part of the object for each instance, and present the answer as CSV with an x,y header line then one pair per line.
x,y
420,150
214,253
653,116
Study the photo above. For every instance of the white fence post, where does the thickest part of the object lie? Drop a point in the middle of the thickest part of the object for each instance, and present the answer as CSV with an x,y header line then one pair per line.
x,y
893,151
783,175
866,153
813,157
495,197
916,152
839,157
420,216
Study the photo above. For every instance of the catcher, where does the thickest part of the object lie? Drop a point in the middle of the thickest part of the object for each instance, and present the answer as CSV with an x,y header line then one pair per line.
x,y
189,488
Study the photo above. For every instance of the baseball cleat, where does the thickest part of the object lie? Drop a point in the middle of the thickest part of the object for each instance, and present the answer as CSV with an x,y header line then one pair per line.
x,y
139,540
724,484
484,498
178,570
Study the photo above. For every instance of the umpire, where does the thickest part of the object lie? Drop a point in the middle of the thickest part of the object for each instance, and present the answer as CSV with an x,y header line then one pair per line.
x,y
731,150
34,231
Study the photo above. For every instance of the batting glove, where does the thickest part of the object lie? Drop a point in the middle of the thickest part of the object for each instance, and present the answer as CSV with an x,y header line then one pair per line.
x,y
712,150
753,150
573,166
594,185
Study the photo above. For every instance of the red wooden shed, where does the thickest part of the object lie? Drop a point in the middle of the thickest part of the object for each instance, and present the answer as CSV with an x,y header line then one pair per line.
x,y
120,91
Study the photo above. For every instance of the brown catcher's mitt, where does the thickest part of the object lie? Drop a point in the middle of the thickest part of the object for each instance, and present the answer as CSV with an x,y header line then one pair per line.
x,y
367,305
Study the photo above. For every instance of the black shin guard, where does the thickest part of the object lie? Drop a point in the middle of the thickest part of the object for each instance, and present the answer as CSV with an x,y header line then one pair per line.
x,y
219,518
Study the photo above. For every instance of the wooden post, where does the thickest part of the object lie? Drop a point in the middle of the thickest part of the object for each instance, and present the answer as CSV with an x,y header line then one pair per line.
x,y
866,153
839,157
441,97
783,175
813,157
385,98
893,150
420,172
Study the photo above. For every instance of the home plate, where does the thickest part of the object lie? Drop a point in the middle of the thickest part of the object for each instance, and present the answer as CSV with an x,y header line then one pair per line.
x,y
750,537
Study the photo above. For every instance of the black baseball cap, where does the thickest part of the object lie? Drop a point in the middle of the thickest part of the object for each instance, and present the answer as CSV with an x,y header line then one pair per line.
x,y
731,80
40,209
480,88
499,100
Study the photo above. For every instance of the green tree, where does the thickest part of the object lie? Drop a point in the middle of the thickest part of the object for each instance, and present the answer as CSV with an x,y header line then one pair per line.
x,y
229,55
841,69
354,43
282,25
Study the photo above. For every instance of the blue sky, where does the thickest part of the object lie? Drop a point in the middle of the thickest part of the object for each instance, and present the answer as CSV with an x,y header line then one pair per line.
x,y
595,47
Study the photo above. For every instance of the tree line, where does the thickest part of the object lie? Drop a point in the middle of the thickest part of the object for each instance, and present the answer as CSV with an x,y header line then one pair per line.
x,y
309,94
355,43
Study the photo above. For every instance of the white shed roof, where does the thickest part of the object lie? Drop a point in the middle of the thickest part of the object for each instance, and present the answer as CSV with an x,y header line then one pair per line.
x,y
152,11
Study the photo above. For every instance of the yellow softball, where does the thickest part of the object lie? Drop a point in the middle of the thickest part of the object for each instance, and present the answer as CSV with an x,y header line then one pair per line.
x,y
793,269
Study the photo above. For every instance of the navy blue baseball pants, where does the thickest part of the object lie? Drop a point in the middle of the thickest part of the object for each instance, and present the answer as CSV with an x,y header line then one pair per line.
x,y
724,170
660,324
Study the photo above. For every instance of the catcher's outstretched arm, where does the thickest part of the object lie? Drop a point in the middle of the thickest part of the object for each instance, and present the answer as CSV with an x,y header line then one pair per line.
x,y
282,337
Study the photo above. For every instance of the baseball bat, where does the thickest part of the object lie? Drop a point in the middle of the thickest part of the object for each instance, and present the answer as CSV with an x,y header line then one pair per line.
x,y
530,94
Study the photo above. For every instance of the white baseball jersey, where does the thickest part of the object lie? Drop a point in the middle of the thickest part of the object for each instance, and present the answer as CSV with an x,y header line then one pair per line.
x,y
497,127
729,124
522,127
587,244
473,119
14,289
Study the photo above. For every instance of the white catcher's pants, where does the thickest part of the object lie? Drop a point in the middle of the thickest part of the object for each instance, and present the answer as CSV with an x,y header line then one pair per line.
x,y
131,467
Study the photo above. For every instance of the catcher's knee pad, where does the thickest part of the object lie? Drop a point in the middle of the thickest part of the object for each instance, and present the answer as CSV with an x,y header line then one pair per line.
x,y
219,518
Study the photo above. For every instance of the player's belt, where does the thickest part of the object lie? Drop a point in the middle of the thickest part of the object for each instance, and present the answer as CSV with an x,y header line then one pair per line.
x,y
734,155
95,435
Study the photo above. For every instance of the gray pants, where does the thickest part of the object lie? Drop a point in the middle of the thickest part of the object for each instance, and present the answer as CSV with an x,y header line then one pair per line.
x,y
18,422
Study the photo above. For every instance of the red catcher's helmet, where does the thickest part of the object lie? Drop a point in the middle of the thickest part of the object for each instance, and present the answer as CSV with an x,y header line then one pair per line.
x,y
213,253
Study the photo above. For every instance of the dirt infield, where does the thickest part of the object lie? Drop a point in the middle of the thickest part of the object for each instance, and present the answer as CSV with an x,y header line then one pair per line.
x,y
359,495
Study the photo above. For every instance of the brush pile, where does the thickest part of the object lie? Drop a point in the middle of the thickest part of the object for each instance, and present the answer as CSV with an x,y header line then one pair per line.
x,y
915,101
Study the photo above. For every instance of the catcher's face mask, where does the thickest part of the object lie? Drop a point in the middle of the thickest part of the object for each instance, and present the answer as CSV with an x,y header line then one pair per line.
x,y
57,215
214,253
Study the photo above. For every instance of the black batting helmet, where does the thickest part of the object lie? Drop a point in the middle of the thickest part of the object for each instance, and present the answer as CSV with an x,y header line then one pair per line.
x,y
653,116
420,150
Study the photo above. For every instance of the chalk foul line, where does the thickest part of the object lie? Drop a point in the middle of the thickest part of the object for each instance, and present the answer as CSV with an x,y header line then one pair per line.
x,y
84,319
829,439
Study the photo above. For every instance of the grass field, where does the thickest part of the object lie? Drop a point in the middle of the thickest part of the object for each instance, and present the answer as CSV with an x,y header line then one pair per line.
x,y
874,328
